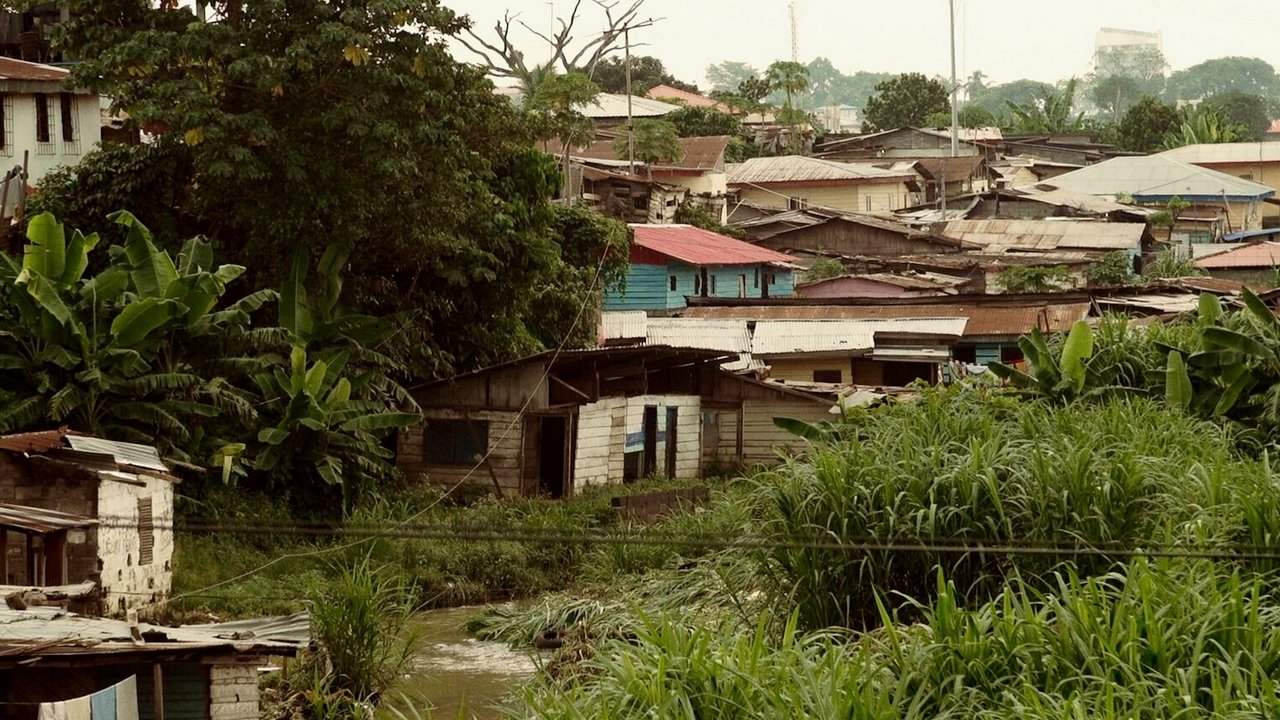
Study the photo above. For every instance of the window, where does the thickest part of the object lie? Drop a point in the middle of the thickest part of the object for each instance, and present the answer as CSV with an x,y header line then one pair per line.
x,y
67,104
771,279
454,442
146,532
712,280
742,286
5,113
640,202
828,376
42,118
675,283
756,274
797,203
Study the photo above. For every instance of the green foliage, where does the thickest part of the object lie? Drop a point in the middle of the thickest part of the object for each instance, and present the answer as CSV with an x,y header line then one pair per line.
x,y
647,72
1145,125
1115,95
692,212
995,99
1169,264
1219,75
360,622
729,75
1203,124
975,116
1049,112
908,99
1034,278
364,128
1115,268
701,122
792,78
653,142
1061,378
823,268
1248,113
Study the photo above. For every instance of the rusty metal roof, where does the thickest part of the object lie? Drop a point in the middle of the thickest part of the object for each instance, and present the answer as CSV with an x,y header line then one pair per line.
x,y
39,520
11,69
1047,234
983,320
802,169
1252,255
40,441
696,246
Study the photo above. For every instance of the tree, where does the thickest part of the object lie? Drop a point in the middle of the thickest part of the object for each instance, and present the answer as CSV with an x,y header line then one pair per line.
x,y
1219,75
368,134
653,141
646,72
1144,65
973,116
1115,268
790,77
728,75
993,98
976,85
1245,111
1144,127
1115,94
558,100
905,100
501,58
1033,278
1049,113
701,122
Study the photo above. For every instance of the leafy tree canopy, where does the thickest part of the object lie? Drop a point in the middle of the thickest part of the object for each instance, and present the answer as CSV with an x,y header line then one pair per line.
x,y
310,122
992,98
1220,75
646,72
1145,125
700,122
726,76
1248,112
1115,94
1052,112
908,99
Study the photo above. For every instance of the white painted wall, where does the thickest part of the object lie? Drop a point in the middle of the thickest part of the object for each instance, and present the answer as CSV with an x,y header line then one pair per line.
x,y
125,583
20,134
610,427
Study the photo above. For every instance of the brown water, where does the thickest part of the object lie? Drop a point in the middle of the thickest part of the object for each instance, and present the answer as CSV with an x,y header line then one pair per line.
x,y
458,676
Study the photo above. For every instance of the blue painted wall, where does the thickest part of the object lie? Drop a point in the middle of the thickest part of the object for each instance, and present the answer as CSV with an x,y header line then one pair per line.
x,y
649,286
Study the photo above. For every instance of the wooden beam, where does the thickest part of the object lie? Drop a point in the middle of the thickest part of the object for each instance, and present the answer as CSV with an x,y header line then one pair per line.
x,y
570,388
157,680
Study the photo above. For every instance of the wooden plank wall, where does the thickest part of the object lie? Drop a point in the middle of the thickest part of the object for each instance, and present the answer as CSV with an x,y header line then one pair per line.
x,y
504,456
599,442
762,440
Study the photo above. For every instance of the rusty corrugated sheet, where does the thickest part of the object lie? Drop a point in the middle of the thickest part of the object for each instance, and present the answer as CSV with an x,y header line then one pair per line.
x,y
696,246
1047,234
39,520
11,69
40,441
798,168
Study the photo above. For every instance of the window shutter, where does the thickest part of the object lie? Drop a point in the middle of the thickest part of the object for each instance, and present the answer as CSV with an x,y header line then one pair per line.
x,y
146,532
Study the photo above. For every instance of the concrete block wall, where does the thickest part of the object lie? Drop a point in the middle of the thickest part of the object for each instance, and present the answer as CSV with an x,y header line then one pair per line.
x,y
233,692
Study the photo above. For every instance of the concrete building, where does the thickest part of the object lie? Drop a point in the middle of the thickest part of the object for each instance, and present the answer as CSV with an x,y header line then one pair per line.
x,y
42,120
795,182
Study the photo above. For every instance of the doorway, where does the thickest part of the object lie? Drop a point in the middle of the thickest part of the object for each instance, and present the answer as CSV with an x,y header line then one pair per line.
x,y
673,418
649,465
553,456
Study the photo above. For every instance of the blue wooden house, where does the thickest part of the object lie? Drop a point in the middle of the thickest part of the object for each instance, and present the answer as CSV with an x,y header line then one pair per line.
x,y
672,262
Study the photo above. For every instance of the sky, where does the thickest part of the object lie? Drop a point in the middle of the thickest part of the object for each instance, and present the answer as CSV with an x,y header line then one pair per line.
x,y
1005,39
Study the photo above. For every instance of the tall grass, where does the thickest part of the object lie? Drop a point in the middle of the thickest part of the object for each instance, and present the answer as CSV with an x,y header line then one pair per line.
x,y
1164,640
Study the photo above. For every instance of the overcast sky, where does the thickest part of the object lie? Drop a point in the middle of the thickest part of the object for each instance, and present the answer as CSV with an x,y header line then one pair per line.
x,y
1006,39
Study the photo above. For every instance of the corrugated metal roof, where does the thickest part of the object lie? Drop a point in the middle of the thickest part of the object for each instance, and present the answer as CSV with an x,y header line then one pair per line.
x,y
1047,234
983,320
612,105
1236,237
729,336
40,631
1156,178
40,441
802,169
1226,153
1252,255
666,92
624,324
696,246
39,520
775,337
125,453
699,153
11,69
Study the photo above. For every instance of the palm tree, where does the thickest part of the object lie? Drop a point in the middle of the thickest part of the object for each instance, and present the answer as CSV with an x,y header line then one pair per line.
x,y
791,78
1203,125
1049,113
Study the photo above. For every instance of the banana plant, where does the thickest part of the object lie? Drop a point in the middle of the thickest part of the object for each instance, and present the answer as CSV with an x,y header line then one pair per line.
x,y
318,428
1061,378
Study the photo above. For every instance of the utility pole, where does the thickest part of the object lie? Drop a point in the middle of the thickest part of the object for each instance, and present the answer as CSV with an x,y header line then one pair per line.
x,y
955,88
631,130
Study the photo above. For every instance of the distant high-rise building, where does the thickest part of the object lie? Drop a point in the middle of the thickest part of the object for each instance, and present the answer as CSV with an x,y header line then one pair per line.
x,y
1134,53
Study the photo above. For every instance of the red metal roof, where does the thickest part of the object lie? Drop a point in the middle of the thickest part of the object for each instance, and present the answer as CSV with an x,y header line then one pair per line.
x,y
696,246
1253,255
11,69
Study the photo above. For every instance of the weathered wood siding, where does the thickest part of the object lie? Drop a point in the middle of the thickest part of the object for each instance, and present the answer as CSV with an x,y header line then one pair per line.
x,y
846,238
861,197
610,428
507,388
801,369
762,440
505,433
646,289
600,443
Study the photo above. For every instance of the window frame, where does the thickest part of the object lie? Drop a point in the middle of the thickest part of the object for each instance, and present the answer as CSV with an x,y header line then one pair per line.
x,y
464,440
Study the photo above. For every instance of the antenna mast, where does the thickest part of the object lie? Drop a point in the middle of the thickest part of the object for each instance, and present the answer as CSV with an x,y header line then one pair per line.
x,y
795,31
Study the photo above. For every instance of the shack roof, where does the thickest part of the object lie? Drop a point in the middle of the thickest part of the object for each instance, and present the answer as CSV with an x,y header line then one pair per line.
x,y
72,446
909,280
1240,153
800,169
1048,234
21,70
613,105
696,246
699,153
1251,255
781,337
1158,178
984,320
40,635
684,97
655,358
39,520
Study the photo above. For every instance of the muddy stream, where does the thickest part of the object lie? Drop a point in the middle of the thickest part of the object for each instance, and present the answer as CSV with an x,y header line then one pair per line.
x,y
458,676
